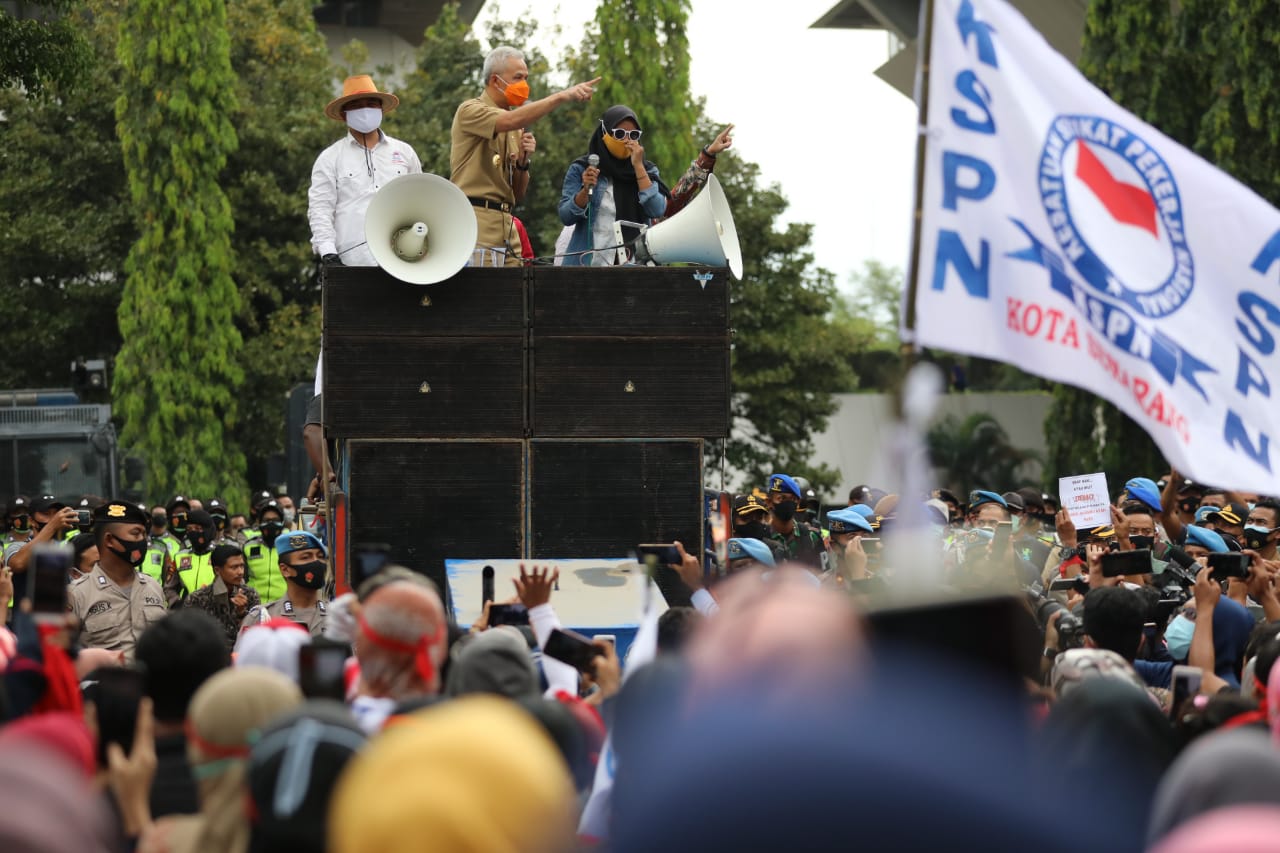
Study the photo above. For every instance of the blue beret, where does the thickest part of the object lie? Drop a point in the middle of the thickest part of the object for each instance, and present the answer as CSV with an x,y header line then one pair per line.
x,y
298,540
978,497
1206,538
1203,511
1142,489
750,549
863,510
783,482
847,520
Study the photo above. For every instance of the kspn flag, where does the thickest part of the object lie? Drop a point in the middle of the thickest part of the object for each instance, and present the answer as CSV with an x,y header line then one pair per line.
x,y
1061,234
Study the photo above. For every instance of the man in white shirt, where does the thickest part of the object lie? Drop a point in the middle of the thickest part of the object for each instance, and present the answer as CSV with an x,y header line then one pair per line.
x,y
348,173
344,179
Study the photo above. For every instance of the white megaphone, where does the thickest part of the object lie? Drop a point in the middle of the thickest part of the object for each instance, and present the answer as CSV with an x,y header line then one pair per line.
x,y
702,233
420,228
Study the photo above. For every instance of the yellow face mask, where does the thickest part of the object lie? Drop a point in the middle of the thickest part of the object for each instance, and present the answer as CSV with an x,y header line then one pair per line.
x,y
616,147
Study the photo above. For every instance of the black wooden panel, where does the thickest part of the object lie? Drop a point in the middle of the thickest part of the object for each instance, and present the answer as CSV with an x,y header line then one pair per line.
x,y
474,387
629,387
602,498
676,301
476,301
437,500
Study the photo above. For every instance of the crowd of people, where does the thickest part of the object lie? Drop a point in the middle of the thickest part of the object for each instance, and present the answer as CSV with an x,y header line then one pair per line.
x,y
230,704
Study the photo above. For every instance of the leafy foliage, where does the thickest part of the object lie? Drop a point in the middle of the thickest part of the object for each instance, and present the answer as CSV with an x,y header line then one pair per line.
x,y
976,453
178,369
44,51
283,80
67,215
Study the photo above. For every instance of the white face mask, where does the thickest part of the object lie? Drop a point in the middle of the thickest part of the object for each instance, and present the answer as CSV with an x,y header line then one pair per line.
x,y
365,119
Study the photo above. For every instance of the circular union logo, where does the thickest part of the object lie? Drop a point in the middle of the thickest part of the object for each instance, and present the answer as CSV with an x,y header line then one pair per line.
x,y
1115,211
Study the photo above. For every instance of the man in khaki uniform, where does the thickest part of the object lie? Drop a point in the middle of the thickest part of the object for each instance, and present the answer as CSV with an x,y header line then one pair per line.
x,y
302,562
115,602
490,149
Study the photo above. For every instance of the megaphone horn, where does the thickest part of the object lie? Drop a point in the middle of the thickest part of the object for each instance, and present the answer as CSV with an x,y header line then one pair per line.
x,y
702,233
420,228
410,242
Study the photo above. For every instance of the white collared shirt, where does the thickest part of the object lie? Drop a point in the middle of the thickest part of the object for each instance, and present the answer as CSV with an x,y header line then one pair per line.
x,y
343,180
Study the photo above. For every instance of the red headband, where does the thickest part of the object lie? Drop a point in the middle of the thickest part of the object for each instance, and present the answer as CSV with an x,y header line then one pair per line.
x,y
420,650
213,750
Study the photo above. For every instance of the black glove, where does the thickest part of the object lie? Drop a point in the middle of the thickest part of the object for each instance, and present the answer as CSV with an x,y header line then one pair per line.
x,y
331,260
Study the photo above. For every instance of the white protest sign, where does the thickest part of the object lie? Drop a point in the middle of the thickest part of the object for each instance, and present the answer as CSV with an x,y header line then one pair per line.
x,y
1086,500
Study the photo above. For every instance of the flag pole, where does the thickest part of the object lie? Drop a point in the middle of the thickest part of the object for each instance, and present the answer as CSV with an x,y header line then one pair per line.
x,y
913,270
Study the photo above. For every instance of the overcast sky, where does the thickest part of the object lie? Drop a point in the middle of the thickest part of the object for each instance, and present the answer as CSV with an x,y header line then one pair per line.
x,y
808,110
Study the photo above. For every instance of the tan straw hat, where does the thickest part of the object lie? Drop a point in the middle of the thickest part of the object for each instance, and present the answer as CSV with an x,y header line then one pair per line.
x,y
356,88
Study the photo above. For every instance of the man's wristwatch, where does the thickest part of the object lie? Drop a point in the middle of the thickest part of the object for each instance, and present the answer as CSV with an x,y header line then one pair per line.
x,y
1049,653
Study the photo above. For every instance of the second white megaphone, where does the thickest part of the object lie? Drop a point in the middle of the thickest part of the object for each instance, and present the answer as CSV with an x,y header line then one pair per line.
x,y
702,233
420,228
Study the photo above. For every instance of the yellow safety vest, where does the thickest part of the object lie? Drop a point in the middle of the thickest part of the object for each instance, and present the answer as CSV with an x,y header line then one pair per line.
x,y
262,566
153,562
194,570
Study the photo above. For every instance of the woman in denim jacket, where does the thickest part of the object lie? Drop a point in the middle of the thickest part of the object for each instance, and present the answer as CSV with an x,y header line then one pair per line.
x,y
624,187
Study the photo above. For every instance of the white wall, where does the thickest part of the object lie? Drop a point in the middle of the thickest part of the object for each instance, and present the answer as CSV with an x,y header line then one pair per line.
x,y
858,433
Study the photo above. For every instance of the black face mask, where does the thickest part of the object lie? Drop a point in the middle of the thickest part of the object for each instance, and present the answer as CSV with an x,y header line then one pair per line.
x,y
1141,542
132,552
270,530
785,511
199,540
752,530
179,525
20,524
309,575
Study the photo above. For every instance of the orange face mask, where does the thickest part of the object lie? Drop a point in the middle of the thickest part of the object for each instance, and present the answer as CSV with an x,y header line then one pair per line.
x,y
616,147
516,93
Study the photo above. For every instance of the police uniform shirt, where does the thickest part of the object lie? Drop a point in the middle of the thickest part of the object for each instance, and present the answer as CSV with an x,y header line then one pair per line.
x,y
312,617
111,617
481,164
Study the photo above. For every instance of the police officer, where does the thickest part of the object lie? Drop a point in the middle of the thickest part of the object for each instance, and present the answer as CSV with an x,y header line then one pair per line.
x,y
194,563
810,507
178,509
114,602
801,542
18,520
302,564
260,555
222,522
847,524
50,521
751,521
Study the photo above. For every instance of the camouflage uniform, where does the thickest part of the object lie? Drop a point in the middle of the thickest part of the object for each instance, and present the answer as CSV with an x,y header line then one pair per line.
x,y
804,545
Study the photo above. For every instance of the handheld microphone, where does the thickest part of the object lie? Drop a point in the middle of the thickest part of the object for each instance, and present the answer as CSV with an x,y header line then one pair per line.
x,y
593,160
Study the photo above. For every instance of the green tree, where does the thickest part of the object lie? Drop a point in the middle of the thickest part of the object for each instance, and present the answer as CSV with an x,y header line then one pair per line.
x,y
64,214
178,371
447,73
975,453
283,79
43,49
